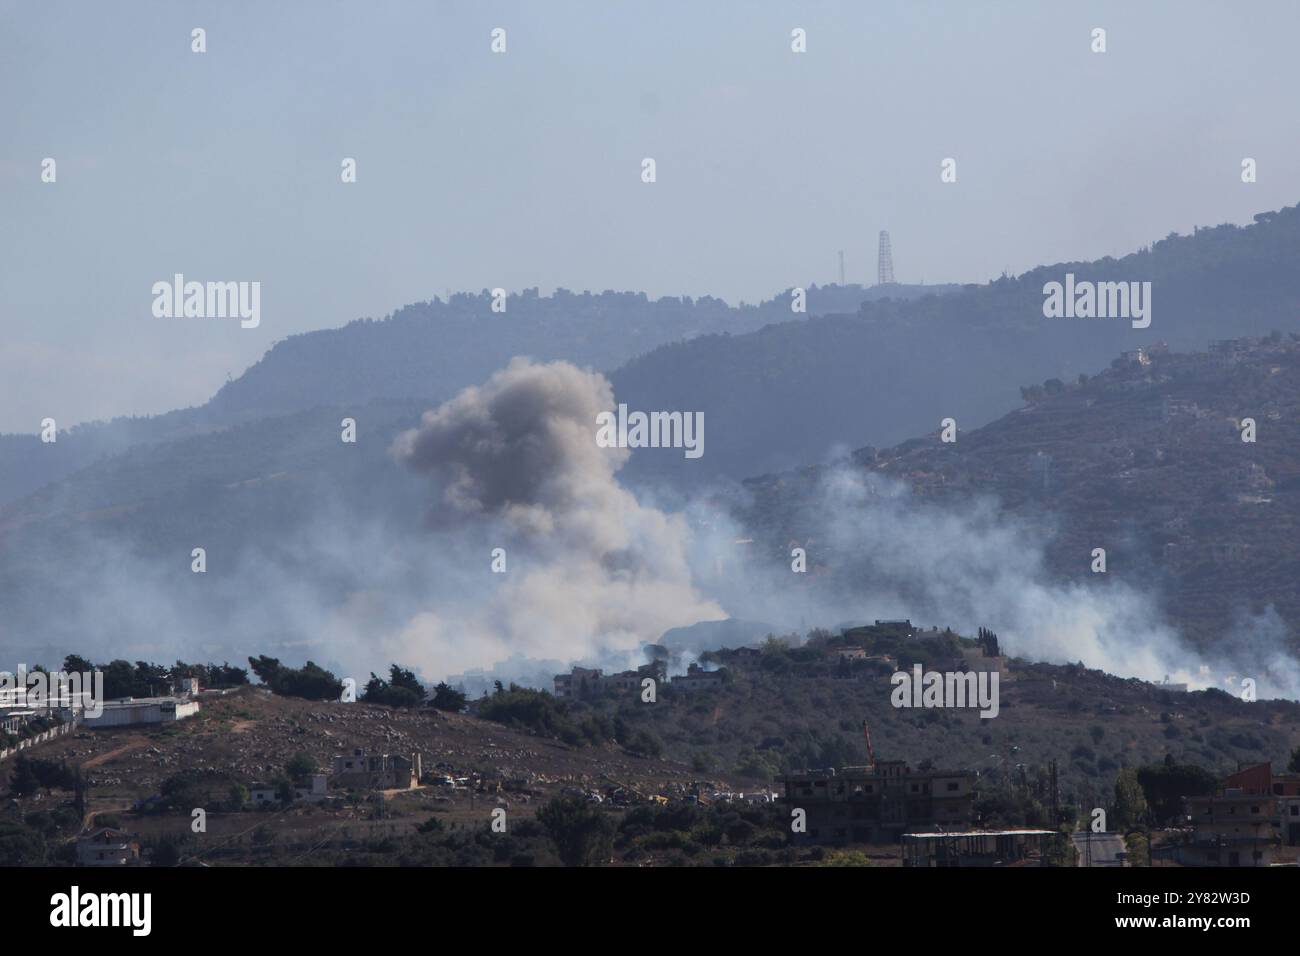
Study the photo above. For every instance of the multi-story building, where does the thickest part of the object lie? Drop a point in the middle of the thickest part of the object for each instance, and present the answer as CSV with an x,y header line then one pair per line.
x,y
578,683
879,804
590,681
362,771
1286,791
1254,820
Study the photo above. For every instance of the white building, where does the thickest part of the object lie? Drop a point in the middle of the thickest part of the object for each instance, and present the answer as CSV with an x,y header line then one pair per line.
x,y
107,847
141,710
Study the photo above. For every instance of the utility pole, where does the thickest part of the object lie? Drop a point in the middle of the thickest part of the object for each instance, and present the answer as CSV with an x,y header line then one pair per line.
x,y
841,267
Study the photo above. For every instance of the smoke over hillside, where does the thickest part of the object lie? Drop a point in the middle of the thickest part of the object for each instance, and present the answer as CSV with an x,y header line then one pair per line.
x,y
890,555
403,571
589,570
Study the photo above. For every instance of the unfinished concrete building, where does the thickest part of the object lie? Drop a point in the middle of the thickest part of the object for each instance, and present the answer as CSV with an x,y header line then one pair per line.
x,y
878,804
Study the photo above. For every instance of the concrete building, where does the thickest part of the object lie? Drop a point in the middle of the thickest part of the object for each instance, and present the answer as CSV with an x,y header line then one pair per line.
x,y
697,678
107,847
1231,829
880,804
132,711
1254,820
312,788
578,683
590,682
1286,791
362,771
262,794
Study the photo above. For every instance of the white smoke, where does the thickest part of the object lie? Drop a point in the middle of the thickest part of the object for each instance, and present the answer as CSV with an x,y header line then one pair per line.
x,y
890,555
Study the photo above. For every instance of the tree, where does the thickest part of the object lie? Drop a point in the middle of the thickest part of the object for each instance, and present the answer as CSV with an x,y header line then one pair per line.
x,y
1130,800
399,677
75,664
1294,765
582,834
300,765
237,796
310,682
1165,785
23,782
401,690
448,698
166,853
20,845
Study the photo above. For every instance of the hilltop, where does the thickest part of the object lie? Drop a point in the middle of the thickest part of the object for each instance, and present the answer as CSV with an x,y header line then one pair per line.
x,y
795,393
426,352
783,707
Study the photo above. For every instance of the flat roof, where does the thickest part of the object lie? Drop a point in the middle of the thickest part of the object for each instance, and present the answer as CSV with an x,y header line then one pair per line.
x,y
976,833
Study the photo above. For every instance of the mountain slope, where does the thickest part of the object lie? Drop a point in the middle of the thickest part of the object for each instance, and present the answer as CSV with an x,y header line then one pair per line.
x,y
1145,460
789,394
427,351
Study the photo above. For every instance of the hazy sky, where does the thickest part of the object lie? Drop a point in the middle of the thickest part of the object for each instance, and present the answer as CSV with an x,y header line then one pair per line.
x,y
478,170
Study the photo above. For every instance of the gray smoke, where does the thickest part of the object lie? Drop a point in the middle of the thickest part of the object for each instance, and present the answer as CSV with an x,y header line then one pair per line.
x,y
590,571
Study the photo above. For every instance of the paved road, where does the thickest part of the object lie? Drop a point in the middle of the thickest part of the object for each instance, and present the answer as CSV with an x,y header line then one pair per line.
x,y
1105,848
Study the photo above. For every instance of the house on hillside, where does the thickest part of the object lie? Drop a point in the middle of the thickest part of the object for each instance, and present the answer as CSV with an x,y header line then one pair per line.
x,y
697,678
132,711
312,788
107,846
362,771
590,682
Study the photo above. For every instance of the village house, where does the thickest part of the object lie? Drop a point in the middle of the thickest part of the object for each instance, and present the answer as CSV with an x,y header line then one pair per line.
x,y
878,804
313,788
107,846
697,678
589,682
578,683
362,771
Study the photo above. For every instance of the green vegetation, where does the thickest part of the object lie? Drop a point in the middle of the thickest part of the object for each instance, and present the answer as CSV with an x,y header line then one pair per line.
x,y
583,834
400,690
310,682
20,845
448,698
32,773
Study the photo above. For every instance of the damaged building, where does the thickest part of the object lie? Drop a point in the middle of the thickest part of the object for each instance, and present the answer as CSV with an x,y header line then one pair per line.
x,y
878,804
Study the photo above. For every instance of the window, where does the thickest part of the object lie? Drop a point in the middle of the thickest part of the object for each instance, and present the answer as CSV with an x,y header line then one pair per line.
x,y
952,786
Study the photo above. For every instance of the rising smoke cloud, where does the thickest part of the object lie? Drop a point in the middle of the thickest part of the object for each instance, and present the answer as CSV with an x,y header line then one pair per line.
x,y
591,572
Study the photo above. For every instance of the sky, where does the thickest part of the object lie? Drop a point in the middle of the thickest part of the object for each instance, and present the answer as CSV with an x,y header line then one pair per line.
x,y
477,170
